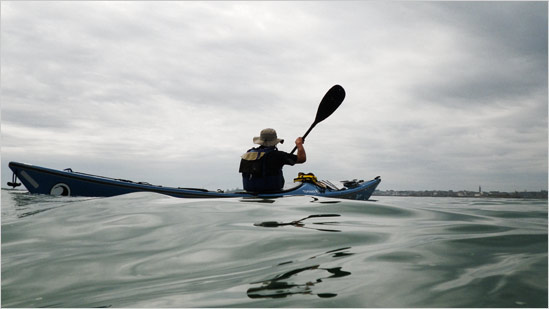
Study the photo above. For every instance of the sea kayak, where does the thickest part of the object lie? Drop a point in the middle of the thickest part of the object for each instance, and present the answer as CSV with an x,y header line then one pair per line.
x,y
42,180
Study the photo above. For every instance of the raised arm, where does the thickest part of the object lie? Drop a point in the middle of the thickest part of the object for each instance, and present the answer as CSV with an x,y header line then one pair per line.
x,y
301,155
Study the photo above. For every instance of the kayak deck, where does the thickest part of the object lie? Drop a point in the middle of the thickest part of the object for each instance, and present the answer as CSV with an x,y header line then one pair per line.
x,y
42,180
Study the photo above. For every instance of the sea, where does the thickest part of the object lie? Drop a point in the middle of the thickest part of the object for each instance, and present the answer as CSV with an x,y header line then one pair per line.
x,y
155,251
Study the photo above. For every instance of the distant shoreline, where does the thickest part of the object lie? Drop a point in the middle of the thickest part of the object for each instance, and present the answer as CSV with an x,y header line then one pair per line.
x,y
450,193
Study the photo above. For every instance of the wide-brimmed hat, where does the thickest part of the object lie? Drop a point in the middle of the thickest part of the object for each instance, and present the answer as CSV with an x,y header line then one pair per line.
x,y
267,138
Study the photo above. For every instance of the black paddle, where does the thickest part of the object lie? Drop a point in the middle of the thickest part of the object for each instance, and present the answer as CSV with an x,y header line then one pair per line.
x,y
330,102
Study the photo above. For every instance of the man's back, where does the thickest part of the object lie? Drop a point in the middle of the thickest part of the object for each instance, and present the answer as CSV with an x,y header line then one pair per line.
x,y
261,167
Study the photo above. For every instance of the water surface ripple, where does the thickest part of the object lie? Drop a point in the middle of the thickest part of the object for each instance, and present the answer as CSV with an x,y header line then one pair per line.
x,y
150,250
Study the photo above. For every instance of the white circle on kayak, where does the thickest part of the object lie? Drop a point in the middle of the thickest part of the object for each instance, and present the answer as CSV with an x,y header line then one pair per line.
x,y
60,189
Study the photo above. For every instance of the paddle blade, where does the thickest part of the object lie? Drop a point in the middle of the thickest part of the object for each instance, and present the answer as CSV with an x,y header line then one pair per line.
x,y
330,102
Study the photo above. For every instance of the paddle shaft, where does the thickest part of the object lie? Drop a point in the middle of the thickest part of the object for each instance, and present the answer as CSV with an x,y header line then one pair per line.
x,y
305,135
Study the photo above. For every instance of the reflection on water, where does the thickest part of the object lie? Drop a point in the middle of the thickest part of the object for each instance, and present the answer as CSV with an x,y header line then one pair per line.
x,y
257,200
340,252
324,201
299,223
23,204
302,280
280,286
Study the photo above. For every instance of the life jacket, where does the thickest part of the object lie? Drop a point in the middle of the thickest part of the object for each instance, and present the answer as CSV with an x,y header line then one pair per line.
x,y
253,166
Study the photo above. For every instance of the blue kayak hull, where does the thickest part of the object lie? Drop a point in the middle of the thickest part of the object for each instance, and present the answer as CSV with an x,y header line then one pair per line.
x,y
41,180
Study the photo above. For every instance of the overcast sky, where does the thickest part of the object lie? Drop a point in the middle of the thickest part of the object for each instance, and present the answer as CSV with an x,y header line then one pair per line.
x,y
440,95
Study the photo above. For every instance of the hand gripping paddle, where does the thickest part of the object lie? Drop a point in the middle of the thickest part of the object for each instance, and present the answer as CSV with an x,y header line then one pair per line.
x,y
330,102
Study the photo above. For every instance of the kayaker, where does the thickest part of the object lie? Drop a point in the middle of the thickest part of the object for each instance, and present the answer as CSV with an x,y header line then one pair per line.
x,y
261,167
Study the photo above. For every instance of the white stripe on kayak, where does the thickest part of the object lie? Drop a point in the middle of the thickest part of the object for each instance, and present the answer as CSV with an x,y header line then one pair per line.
x,y
29,179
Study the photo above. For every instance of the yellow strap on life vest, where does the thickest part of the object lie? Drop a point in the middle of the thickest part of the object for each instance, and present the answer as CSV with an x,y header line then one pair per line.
x,y
252,156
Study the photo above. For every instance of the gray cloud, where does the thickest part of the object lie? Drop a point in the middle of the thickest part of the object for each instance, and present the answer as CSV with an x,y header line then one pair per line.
x,y
440,95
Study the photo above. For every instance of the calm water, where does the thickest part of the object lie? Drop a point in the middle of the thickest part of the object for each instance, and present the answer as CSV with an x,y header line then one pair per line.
x,y
150,250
